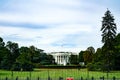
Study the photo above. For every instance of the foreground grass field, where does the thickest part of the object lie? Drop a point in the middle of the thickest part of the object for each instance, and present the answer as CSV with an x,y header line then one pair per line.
x,y
56,73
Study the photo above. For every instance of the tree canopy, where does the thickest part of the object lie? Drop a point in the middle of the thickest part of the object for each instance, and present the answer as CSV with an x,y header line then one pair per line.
x,y
24,58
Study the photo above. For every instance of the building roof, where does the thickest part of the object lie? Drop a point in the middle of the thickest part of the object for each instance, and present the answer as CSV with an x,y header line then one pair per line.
x,y
63,53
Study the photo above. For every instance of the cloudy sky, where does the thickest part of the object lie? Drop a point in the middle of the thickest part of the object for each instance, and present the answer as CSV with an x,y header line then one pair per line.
x,y
55,25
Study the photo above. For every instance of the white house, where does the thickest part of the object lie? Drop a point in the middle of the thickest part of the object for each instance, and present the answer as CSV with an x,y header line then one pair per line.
x,y
61,58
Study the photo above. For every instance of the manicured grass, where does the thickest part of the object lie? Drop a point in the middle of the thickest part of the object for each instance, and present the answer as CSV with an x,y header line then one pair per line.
x,y
56,73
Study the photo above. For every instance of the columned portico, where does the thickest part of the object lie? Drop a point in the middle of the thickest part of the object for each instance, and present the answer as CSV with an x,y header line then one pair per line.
x,y
61,58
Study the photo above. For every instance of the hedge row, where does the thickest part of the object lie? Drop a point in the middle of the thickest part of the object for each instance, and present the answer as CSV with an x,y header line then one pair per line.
x,y
60,67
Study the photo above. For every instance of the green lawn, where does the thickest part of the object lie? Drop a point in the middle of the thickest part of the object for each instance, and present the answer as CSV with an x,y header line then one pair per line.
x,y
56,73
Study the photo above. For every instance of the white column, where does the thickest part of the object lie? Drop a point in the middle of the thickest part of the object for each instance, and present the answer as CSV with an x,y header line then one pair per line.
x,y
56,58
66,59
59,59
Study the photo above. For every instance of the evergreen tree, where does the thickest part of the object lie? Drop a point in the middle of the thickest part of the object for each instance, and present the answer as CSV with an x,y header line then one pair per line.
x,y
117,52
108,35
108,29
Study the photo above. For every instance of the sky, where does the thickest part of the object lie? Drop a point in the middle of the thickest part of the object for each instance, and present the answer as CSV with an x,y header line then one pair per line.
x,y
56,25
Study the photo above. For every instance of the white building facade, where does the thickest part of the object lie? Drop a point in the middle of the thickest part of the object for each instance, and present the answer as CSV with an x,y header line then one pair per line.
x,y
61,58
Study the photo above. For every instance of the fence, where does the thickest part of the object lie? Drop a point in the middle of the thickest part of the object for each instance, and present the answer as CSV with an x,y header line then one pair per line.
x,y
38,78
59,74
60,78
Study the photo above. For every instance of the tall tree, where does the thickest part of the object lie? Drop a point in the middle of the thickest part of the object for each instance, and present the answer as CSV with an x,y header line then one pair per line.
x,y
108,35
32,52
1,49
73,59
13,48
11,57
98,55
81,59
91,49
108,29
25,59
88,57
4,56
1,42
117,52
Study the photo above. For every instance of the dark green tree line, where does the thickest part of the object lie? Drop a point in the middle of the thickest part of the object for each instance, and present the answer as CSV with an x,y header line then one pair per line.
x,y
24,58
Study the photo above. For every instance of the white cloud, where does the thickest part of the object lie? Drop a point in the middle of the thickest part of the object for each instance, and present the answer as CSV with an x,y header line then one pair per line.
x,y
42,38
50,11
35,12
75,22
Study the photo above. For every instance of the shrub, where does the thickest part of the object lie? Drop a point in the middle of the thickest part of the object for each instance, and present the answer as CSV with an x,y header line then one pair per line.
x,y
27,67
95,66
90,66
16,67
